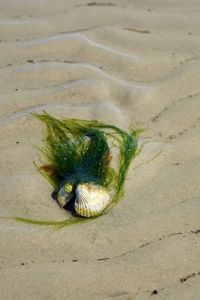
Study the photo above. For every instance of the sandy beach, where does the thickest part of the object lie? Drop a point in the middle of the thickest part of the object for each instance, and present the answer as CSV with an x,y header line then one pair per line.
x,y
122,62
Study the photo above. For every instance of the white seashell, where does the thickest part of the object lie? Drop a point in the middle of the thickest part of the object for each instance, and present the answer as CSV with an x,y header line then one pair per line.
x,y
91,199
64,195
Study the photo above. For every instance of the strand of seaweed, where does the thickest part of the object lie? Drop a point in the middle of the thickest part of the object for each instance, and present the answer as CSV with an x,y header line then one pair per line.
x,y
81,150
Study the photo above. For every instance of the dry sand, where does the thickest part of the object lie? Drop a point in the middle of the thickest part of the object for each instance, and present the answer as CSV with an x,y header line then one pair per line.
x,y
121,62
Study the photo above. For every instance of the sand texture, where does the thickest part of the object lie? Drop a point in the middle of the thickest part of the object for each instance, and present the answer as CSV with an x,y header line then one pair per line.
x,y
123,62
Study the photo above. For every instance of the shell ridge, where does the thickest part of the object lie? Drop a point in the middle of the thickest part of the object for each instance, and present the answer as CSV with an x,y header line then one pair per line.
x,y
91,199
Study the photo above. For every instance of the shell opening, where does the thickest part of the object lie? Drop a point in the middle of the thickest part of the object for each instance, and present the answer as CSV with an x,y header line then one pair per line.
x,y
63,197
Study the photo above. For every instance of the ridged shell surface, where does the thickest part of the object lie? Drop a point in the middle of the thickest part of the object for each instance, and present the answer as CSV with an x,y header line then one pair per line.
x,y
91,199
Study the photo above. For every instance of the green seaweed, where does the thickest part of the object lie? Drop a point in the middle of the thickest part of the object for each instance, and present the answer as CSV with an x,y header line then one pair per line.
x,y
81,151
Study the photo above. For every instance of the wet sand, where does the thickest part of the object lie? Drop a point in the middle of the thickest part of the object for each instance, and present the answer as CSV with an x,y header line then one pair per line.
x,y
122,62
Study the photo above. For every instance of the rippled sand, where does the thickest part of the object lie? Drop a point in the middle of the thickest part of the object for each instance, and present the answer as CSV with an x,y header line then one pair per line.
x,y
122,62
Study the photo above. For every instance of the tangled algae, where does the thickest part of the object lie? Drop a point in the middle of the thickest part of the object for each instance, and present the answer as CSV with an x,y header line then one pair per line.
x,y
81,151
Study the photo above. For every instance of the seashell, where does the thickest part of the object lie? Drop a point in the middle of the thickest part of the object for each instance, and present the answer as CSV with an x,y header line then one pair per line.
x,y
65,194
91,199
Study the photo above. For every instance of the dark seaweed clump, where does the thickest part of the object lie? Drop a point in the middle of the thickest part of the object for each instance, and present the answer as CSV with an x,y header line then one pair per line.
x,y
81,151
